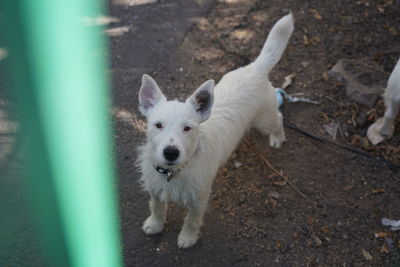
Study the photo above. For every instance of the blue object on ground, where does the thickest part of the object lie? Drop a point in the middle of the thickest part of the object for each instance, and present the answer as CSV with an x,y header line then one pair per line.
x,y
280,94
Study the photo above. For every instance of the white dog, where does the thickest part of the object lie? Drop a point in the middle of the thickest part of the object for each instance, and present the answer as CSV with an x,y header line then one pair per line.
x,y
188,142
383,127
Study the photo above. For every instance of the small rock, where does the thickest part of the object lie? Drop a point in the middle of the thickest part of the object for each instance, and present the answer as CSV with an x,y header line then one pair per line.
x,y
274,194
331,129
305,64
237,164
317,241
363,79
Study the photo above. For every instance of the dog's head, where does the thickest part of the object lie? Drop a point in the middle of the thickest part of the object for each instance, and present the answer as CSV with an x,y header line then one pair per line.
x,y
172,126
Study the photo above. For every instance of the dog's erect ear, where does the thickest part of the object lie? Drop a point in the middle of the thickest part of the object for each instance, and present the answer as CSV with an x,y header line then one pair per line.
x,y
149,94
202,99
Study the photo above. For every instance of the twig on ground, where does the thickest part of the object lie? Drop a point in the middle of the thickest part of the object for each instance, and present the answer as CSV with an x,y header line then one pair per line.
x,y
274,169
333,100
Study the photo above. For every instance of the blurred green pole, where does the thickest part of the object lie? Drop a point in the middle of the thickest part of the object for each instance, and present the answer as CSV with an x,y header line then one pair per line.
x,y
58,73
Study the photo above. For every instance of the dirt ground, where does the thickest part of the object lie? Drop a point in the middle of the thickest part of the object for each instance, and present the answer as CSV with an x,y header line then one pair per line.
x,y
255,217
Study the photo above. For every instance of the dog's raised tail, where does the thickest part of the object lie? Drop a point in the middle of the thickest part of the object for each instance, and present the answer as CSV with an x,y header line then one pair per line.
x,y
275,44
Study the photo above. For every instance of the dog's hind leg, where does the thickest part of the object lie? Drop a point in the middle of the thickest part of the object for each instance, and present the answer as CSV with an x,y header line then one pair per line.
x,y
392,102
154,224
191,226
392,108
270,123
277,137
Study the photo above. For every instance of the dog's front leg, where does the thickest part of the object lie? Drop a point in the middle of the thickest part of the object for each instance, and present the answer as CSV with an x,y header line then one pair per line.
x,y
154,224
191,226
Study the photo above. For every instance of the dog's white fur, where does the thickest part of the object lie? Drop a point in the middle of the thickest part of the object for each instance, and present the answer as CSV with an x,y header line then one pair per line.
x,y
392,101
218,119
383,127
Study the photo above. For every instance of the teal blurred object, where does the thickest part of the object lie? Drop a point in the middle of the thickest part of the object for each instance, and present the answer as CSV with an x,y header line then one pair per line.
x,y
279,97
280,94
58,73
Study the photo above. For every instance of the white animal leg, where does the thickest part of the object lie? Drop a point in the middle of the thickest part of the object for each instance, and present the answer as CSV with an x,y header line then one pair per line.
x,y
270,123
191,226
155,222
392,108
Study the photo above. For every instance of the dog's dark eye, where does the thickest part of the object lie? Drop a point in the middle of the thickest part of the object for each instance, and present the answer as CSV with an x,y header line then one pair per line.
x,y
187,129
159,125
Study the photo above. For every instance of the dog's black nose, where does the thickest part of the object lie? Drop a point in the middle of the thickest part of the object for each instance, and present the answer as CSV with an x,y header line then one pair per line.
x,y
171,153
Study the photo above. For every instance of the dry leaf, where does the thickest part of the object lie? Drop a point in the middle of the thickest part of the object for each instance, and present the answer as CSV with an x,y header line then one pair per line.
x,y
378,191
317,16
392,31
272,175
381,235
280,183
325,229
314,40
317,241
315,13
310,220
305,40
348,187
288,80
385,248
325,76
372,116
355,139
326,118
273,202
161,247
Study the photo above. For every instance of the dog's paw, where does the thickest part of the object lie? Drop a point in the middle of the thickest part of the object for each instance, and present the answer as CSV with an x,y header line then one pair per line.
x,y
152,226
186,240
275,141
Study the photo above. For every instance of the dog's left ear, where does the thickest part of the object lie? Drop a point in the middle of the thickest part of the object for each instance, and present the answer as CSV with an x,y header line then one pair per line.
x,y
202,100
